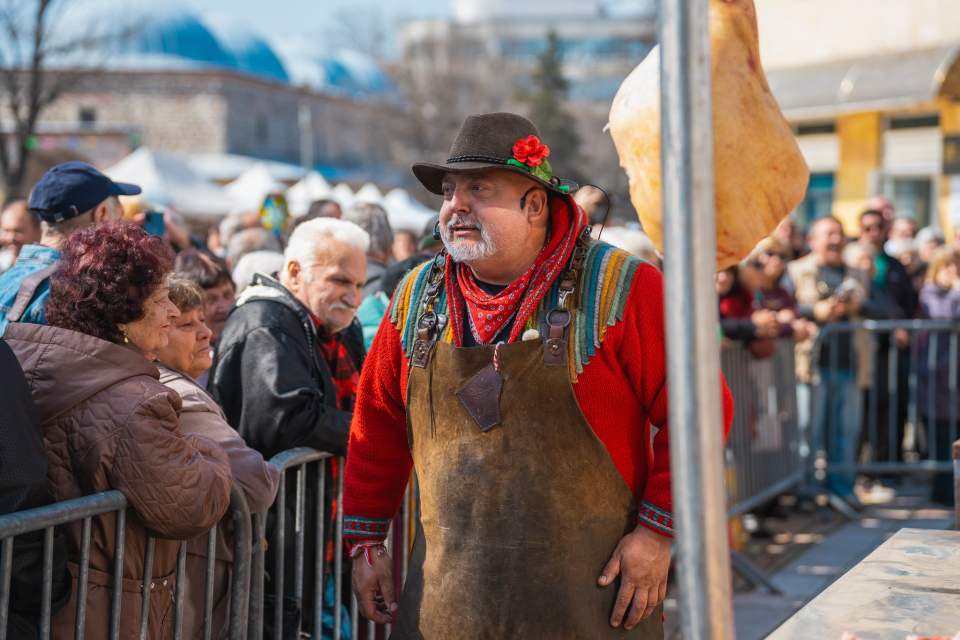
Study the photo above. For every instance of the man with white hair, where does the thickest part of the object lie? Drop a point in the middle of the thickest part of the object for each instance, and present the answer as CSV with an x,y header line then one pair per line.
x,y
288,359
289,356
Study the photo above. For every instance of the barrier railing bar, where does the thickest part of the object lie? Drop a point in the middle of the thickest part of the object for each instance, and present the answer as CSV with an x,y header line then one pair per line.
x,y
299,533
913,417
952,386
181,589
321,554
120,537
6,565
874,399
147,586
354,623
255,617
79,628
208,583
59,513
768,494
932,395
47,588
338,554
278,570
389,544
242,552
284,461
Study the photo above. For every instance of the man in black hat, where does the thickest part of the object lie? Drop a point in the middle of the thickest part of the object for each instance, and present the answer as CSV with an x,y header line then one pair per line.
x,y
544,510
68,197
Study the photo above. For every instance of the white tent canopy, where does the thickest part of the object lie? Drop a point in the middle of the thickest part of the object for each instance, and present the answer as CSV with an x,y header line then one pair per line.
x,y
369,193
405,212
301,195
167,181
253,185
343,194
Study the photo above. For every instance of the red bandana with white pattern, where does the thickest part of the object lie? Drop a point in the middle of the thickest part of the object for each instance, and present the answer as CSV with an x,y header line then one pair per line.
x,y
488,314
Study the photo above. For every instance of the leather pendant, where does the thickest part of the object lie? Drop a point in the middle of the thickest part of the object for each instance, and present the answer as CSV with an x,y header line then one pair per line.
x,y
481,397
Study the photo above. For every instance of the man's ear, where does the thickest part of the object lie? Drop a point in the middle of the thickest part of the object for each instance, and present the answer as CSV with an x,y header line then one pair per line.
x,y
291,279
101,213
537,205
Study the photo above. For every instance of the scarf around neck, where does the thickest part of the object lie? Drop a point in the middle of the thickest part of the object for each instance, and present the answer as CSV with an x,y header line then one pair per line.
x,y
488,314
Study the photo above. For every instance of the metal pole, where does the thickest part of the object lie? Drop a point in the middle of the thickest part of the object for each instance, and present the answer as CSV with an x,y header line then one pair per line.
x,y
305,119
693,360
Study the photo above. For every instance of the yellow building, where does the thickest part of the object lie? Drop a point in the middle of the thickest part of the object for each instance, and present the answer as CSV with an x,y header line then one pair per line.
x,y
872,88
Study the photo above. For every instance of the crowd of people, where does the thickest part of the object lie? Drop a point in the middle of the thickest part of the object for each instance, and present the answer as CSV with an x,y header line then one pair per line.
x,y
793,284
170,368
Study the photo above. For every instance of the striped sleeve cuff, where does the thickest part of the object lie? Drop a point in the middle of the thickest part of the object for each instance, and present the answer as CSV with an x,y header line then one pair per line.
x,y
655,518
366,529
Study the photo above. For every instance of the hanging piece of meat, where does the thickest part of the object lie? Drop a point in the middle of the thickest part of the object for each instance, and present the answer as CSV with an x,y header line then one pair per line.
x,y
759,174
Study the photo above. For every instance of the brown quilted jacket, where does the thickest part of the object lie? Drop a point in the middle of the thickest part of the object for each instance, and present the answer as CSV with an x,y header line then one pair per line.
x,y
108,423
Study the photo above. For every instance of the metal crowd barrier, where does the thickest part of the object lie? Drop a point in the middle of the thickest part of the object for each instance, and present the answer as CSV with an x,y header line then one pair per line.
x,y
296,462
878,404
762,454
83,509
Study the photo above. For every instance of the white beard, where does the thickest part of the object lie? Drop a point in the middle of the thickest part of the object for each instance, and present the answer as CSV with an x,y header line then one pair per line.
x,y
463,252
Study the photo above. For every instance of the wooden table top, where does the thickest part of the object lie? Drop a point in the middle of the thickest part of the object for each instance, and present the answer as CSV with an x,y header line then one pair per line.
x,y
909,585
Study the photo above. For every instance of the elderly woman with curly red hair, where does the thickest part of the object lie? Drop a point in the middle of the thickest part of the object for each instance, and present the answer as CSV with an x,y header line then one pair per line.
x,y
108,423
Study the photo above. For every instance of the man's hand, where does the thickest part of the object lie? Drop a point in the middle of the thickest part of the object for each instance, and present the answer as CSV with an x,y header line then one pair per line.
x,y
902,338
766,323
823,310
643,559
376,597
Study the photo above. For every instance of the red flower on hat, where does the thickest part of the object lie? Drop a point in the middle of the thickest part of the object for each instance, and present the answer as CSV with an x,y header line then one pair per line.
x,y
531,151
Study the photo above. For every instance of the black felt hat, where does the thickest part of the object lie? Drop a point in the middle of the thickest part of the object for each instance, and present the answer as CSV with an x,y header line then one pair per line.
x,y
488,141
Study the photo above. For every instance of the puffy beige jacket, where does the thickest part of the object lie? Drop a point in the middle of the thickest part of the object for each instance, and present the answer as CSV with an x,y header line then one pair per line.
x,y
108,423
258,479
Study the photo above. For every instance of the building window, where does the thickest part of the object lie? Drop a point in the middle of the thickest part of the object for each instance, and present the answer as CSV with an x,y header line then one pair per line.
x,y
818,202
261,130
87,116
813,128
915,122
912,197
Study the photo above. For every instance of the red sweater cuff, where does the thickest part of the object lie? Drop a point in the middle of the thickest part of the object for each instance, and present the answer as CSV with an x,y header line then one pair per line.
x,y
360,530
655,518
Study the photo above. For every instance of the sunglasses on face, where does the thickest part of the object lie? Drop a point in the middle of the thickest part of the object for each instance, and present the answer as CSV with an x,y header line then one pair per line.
x,y
770,253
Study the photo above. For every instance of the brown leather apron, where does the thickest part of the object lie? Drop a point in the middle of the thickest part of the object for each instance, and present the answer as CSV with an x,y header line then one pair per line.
x,y
519,518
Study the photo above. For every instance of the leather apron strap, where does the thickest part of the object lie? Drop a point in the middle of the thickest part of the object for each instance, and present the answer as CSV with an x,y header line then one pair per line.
x,y
27,290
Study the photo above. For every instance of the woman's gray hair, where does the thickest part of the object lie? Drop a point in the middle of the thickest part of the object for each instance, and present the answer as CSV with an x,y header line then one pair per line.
x,y
373,219
303,244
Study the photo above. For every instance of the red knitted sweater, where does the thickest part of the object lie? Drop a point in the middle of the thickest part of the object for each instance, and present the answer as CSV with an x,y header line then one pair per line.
x,y
622,393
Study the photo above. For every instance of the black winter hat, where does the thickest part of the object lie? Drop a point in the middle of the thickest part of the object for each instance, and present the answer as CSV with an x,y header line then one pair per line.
x,y
496,141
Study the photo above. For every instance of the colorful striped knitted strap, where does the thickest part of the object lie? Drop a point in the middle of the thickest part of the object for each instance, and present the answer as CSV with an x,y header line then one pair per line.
x,y
600,302
656,518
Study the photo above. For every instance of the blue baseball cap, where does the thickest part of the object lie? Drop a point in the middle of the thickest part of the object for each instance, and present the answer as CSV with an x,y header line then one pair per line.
x,y
72,188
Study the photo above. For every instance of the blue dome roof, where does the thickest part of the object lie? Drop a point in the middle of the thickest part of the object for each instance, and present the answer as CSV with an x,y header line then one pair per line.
x,y
338,70
170,36
148,36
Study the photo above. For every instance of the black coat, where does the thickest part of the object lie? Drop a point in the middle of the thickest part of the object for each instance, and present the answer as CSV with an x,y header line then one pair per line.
x,y
277,392
23,485
270,379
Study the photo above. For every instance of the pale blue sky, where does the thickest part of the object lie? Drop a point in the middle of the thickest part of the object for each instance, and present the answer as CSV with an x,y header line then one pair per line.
x,y
279,17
